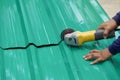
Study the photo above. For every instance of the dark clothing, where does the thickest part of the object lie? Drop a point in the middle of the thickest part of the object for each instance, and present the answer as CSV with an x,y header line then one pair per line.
x,y
117,18
114,48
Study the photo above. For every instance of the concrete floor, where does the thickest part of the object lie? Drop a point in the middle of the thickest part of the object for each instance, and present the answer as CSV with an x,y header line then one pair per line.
x,y
110,6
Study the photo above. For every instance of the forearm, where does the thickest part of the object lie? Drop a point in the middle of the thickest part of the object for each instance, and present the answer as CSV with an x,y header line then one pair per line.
x,y
117,18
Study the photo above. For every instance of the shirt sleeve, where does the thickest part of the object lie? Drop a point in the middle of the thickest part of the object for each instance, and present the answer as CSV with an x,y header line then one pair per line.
x,y
114,48
117,18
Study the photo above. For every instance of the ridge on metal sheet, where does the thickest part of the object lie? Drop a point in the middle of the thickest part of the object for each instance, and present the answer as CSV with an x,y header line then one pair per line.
x,y
41,22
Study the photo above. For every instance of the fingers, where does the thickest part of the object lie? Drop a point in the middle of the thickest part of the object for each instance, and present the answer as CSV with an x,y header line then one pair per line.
x,y
96,61
94,54
93,51
101,26
105,34
90,55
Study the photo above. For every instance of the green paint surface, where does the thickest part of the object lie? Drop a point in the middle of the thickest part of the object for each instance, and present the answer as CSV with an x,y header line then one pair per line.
x,y
41,22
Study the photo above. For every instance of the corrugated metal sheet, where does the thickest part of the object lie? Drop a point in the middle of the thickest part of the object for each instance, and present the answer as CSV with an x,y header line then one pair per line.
x,y
41,22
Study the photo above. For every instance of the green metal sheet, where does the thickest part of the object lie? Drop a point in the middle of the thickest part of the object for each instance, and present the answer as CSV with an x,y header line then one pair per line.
x,y
41,22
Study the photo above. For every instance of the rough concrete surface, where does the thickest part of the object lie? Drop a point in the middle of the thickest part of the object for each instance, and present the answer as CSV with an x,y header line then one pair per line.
x,y
110,6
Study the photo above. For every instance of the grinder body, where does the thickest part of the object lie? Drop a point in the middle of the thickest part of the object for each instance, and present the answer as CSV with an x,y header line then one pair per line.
x,y
77,38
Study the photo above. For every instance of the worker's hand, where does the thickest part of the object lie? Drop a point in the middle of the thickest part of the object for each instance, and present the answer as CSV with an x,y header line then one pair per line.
x,y
108,26
98,55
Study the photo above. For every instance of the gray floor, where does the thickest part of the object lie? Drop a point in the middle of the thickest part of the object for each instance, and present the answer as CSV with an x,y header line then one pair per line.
x,y
110,6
